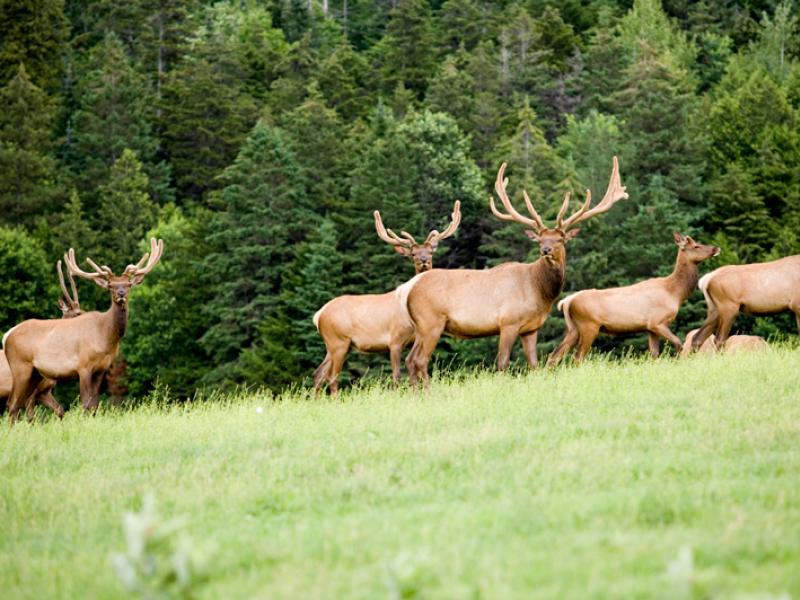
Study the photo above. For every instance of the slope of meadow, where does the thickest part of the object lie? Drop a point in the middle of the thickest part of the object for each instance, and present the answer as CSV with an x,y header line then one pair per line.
x,y
630,479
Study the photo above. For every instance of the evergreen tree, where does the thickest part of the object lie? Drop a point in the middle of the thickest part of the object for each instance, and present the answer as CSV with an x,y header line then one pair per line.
x,y
69,228
162,343
461,24
263,212
34,34
115,112
342,79
28,173
126,209
406,55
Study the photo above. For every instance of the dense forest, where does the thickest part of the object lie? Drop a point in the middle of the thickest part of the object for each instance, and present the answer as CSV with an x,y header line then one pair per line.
x,y
257,137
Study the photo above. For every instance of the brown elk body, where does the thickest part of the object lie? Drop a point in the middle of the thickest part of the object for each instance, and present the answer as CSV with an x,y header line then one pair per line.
x,y
374,322
645,306
734,343
84,346
512,299
70,307
756,289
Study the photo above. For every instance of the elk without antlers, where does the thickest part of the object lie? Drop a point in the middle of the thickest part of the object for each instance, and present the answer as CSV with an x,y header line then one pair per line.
x,y
735,343
374,322
645,306
512,299
756,289
84,346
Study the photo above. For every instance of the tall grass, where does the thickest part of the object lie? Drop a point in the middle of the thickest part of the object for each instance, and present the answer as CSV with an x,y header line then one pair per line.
x,y
613,479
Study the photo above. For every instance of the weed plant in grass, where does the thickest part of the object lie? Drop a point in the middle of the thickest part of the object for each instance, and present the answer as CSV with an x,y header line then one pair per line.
x,y
613,479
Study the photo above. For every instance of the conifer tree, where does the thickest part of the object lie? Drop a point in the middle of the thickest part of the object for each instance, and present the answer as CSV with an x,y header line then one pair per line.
x,y
115,112
28,173
126,209
262,213
34,34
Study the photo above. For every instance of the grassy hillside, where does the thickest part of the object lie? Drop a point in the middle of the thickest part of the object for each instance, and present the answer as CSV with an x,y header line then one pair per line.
x,y
634,479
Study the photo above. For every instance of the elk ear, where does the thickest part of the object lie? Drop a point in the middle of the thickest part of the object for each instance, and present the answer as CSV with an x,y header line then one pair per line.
x,y
679,239
402,250
571,234
137,279
532,234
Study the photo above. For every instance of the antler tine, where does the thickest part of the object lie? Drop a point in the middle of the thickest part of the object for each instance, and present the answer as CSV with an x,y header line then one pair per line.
x,y
70,302
534,214
408,237
156,249
455,221
104,269
387,235
563,210
512,215
72,266
614,193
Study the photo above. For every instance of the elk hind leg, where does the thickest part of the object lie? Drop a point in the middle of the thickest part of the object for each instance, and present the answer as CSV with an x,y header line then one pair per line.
x,y
571,339
26,380
321,372
337,362
587,334
727,315
422,351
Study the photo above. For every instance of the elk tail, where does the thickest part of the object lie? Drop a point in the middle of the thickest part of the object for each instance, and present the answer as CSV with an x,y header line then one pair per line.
x,y
318,314
563,306
6,334
703,285
402,292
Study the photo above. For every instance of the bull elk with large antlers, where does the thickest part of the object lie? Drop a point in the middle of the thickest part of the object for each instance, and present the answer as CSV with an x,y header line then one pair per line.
x,y
756,289
84,346
70,307
512,299
374,322
645,306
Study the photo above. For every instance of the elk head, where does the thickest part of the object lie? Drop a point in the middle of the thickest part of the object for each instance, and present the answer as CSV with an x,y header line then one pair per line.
x,y
69,304
693,251
118,285
405,244
552,241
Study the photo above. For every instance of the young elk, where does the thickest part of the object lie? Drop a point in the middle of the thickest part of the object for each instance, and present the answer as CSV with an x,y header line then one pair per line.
x,y
374,322
757,289
735,343
512,299
84,346
70,307
645,306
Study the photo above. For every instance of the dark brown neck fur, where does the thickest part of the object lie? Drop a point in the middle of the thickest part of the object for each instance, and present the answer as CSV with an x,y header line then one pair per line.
x,y
549,277
119,318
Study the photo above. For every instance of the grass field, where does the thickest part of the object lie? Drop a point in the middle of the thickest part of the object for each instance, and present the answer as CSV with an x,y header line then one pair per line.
x,y
639,479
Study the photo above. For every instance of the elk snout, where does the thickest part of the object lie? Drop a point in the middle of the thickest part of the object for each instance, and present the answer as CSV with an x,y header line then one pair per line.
x,y
120,295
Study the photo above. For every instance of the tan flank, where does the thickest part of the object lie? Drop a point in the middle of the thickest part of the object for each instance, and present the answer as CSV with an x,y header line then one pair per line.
x,y
645,306
70,307
756,289
512,299
734,343
83,346
374,322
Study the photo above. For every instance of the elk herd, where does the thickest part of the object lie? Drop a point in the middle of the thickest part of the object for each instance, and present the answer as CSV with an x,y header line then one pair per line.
x,y
510,300
514,299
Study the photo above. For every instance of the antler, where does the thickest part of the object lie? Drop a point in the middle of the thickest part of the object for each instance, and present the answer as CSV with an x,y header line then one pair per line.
x,y
72,301
389,236
72,266
434,237
151,258
614,193
512,215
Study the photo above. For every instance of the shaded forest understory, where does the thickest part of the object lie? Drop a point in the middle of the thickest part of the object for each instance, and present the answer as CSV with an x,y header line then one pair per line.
x,y
256,139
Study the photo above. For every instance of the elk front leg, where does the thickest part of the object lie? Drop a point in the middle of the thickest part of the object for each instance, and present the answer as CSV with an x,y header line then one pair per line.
x,y
507,337
89,390
529,347
396,358
665,332
795,308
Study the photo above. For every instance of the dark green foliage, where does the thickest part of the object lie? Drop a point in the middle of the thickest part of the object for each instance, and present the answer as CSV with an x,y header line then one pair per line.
x,y
262,212
28,172
115,111
34,33
29,285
